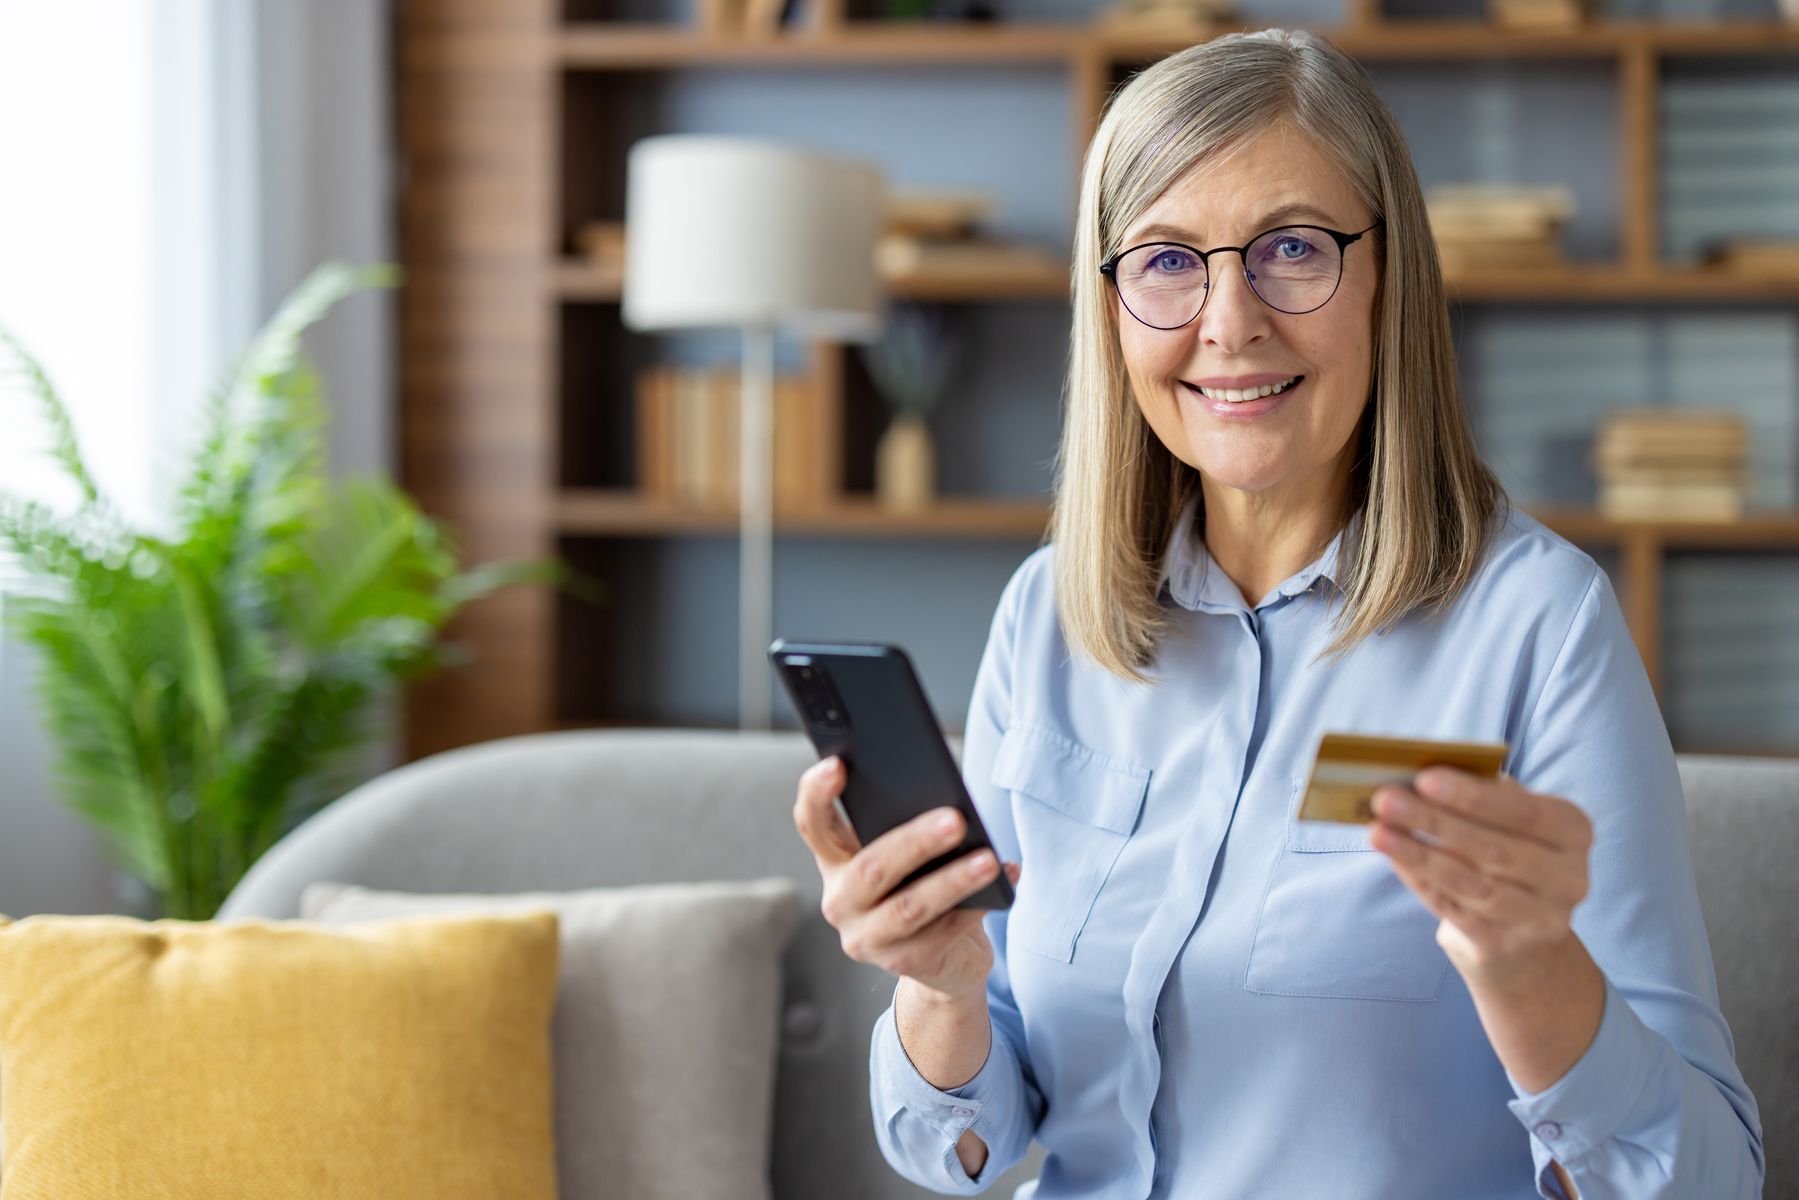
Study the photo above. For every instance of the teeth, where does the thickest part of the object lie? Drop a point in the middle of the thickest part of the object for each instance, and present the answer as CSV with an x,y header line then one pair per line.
x,y
1239,396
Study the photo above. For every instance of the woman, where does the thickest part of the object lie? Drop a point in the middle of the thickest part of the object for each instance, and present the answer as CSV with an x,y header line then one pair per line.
x,y
1270,523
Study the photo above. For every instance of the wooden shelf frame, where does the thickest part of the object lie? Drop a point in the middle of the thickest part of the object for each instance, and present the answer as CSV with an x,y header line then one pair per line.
x,y
489,287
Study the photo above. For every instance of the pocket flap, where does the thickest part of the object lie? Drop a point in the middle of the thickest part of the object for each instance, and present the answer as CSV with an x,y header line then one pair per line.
x,y
1327,836
1088,786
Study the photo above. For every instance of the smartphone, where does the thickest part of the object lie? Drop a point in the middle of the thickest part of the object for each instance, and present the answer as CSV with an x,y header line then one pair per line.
x,y
862,702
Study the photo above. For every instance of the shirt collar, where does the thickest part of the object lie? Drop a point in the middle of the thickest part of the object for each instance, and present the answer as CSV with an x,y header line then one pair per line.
x,y
1193,579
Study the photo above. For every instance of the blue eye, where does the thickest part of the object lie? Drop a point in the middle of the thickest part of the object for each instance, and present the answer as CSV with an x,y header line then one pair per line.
x,y
1290,249
1170,260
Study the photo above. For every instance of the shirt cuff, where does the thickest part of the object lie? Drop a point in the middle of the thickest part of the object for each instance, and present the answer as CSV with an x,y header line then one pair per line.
x,y
954,1110
1588,1105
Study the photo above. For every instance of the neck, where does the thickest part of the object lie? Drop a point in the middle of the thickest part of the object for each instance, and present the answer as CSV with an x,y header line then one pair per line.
x,y
1258,539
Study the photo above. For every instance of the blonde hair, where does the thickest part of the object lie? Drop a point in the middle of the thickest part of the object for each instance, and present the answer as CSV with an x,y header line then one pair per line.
x,y
1427,501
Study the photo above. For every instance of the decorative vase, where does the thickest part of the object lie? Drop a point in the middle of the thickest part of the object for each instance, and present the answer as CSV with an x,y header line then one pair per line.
x,y
905,467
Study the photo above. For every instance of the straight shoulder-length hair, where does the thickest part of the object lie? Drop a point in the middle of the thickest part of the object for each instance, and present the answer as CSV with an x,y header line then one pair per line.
x,y
1428,504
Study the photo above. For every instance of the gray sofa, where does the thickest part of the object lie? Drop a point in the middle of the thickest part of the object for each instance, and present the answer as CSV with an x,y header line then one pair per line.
x,y
620,807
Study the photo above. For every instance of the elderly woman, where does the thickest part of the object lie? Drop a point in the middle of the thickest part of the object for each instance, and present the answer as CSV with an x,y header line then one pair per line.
x,y
1271,522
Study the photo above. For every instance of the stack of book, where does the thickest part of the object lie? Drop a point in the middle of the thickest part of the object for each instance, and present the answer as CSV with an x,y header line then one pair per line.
x,y
1672,464
1498,226
745,18
1152,17
687,437
936,236
1539,14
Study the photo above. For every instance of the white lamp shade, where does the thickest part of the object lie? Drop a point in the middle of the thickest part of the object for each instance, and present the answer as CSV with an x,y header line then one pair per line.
x,y
730,232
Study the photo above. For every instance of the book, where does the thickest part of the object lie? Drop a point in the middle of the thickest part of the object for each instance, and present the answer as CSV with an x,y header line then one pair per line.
x,y
900,256
723,390
1501,201
762,18
796,428
1678,435
1687,461
719,17
936,214
693,435
1656,473
655,421
689,425
1672,501
1537,14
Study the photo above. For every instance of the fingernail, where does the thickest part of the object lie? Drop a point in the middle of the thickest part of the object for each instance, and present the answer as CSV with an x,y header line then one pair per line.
x,y
980,863
947,822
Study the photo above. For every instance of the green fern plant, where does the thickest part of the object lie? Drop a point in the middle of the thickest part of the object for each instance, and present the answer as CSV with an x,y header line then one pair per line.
x,y
205,690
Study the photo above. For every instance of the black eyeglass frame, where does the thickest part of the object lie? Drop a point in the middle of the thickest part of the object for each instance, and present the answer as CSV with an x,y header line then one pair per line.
x,y
1109,268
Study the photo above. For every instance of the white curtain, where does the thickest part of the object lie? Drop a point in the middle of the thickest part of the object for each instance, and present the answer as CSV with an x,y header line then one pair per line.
x,y
173,168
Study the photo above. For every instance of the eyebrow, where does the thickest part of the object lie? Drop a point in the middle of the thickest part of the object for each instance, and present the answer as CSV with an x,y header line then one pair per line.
x,y
1268,220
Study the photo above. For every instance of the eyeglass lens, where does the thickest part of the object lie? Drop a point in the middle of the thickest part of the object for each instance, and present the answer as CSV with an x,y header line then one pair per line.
x,y
1294,270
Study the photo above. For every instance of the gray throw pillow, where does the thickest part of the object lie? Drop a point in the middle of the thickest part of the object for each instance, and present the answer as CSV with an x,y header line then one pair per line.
x,y
666,1029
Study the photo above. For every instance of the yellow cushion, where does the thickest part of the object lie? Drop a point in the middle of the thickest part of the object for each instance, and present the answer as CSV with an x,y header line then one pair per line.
x,y
275,1059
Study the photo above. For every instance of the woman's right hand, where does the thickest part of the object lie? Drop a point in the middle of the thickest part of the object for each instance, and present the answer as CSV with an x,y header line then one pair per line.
x,y
917,932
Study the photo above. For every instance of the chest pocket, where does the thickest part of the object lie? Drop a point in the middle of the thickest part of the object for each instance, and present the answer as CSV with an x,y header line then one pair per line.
x,y
1336,920
1076,809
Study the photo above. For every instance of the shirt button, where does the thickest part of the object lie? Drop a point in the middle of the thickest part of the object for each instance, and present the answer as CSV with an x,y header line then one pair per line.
x,y
1548,1130
962,1112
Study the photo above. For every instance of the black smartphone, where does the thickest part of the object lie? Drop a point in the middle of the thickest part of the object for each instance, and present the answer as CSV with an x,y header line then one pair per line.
x,y
862,702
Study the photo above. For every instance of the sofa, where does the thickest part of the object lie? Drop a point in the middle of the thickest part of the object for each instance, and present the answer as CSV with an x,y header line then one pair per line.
x,y
611,808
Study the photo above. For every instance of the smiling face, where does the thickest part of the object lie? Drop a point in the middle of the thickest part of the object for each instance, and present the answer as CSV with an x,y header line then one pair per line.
x,y
1295,446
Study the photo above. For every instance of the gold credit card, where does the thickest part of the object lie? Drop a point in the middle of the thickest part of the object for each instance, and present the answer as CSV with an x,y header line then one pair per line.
x,y
1350,766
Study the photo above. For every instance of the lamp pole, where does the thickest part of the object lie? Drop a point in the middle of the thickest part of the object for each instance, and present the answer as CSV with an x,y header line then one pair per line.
x,y
755,436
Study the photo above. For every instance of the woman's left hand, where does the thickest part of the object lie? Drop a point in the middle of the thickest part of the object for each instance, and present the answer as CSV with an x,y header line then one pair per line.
x,y
1505,873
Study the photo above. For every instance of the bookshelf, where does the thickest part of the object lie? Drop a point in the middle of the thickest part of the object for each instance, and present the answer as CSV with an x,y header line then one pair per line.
x,y
516,371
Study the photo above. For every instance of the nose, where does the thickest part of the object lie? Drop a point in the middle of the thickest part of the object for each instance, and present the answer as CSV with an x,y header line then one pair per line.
x,y
1233,315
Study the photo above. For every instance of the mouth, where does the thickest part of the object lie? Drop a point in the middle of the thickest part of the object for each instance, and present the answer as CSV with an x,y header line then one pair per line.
x,y
1245,395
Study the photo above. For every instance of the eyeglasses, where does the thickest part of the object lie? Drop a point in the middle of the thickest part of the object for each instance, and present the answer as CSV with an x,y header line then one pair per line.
x,y
1294,269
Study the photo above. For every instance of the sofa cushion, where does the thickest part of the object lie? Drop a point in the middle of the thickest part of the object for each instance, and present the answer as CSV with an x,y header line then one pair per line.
x,y
277,1059
665,1033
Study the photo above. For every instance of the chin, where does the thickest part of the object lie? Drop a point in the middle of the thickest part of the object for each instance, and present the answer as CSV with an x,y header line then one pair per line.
x,y
1235,476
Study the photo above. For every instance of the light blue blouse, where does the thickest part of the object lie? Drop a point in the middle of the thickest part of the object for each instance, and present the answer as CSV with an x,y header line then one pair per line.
x,y
1196,995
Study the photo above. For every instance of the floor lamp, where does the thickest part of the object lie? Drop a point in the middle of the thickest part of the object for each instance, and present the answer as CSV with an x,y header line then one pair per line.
x,y
762,237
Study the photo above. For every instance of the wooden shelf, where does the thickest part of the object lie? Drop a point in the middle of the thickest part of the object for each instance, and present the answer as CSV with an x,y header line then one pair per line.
x,y
624,513
1599,283
514,125
1421,40
575,279
646,46
1766,530
1434,39
649,46
584,282
1607,283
